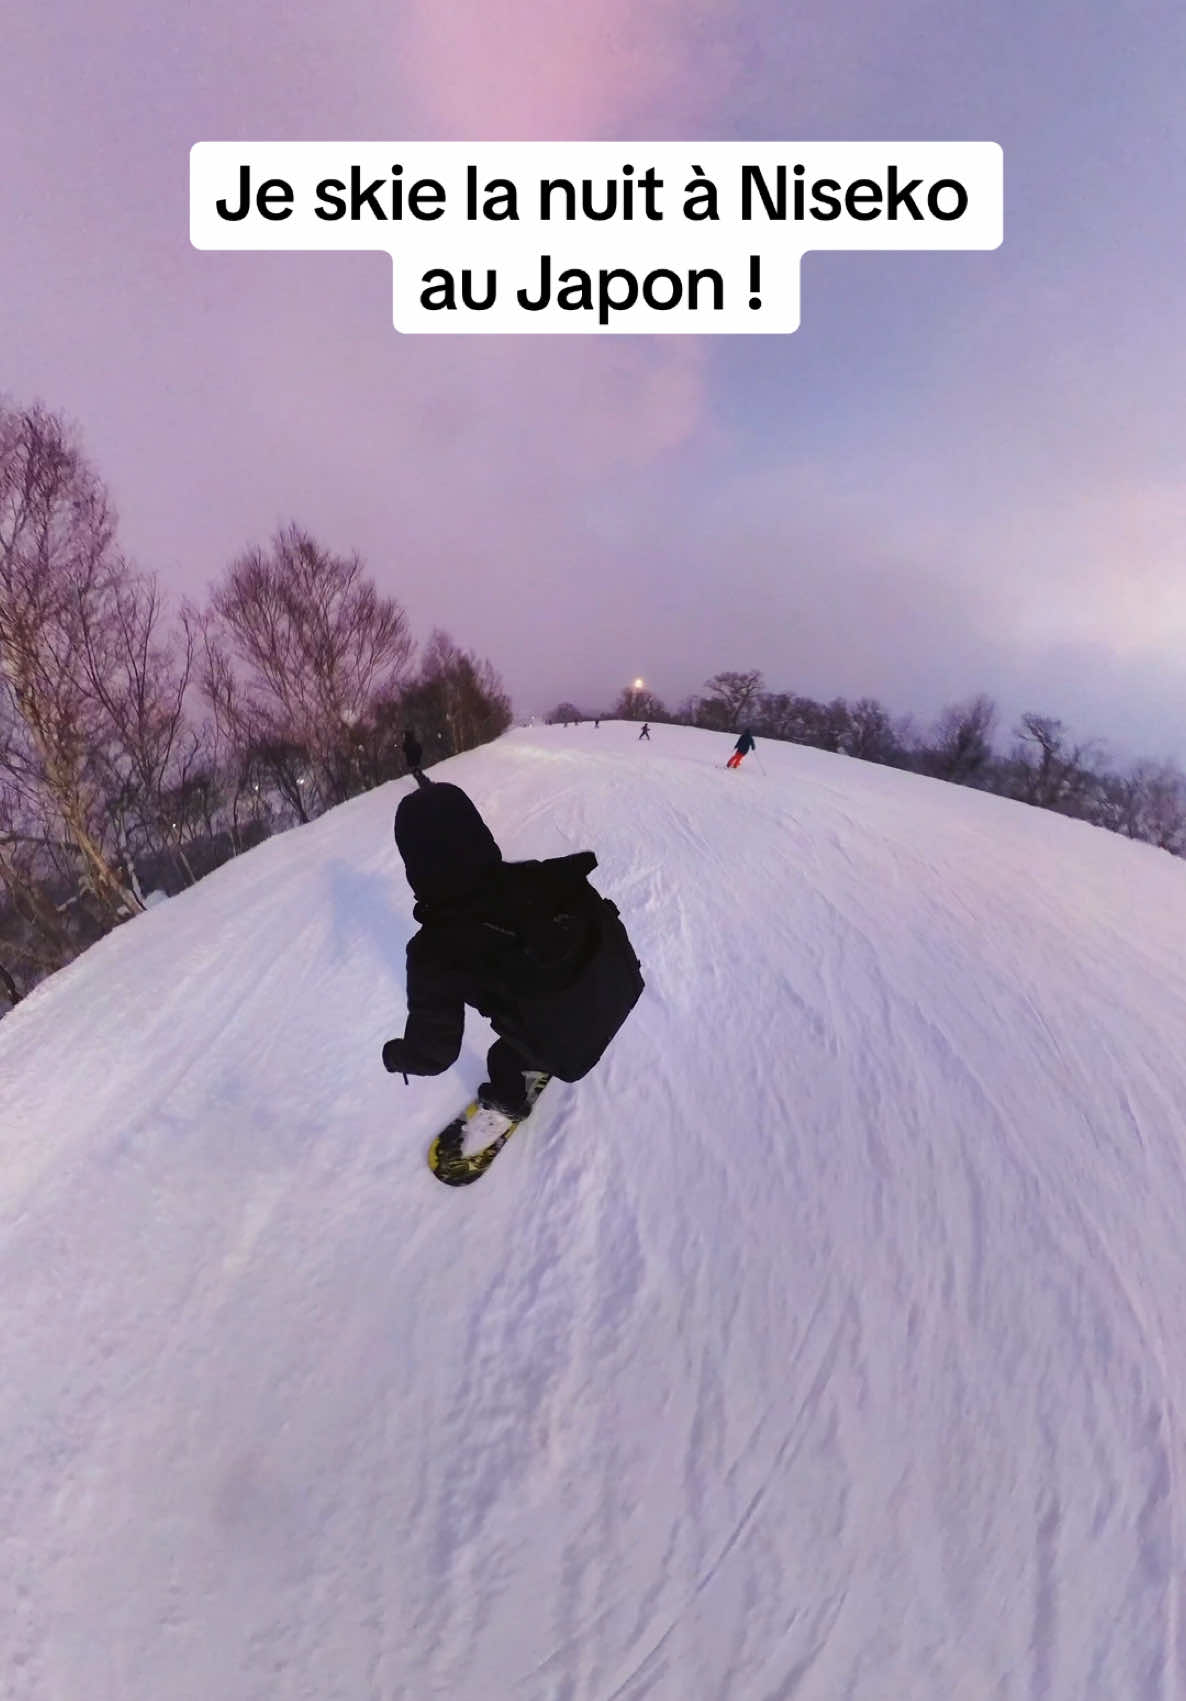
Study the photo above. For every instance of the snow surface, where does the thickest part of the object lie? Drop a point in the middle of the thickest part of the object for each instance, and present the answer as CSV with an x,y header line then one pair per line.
x,y
828,1341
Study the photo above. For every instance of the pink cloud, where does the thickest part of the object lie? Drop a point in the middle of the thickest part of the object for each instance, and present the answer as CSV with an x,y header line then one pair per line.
x,y
532,70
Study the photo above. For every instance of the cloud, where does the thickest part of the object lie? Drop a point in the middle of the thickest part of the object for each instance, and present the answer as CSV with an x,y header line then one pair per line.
x,y
531,70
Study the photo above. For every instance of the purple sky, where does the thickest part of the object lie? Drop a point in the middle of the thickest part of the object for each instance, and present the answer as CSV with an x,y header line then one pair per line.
x,y
963,472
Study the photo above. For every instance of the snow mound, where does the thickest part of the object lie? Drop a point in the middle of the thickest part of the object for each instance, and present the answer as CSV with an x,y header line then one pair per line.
x,y
829,1340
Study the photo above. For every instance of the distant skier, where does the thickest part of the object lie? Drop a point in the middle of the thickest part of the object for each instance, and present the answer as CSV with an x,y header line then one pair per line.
x,y
646,732
741,749
413,754
532,946
596,723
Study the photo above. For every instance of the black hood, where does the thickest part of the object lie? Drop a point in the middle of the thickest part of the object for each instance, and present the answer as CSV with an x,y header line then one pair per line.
x,y
448,849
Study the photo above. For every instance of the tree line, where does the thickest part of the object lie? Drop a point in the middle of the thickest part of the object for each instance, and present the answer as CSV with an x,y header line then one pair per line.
x,y
141,747
1037,761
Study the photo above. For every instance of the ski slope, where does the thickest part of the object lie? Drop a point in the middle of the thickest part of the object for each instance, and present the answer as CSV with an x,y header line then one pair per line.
x,y
829,1341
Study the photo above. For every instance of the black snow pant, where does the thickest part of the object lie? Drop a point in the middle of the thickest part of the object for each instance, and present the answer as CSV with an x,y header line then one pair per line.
x,y
505,1067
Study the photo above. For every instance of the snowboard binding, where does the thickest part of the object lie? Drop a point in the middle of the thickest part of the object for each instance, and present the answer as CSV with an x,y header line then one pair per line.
x,y
457,1168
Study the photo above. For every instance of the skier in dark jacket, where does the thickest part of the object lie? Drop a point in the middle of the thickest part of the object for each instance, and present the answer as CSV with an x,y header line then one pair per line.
x,y
532,946
742,748
646,731
413,754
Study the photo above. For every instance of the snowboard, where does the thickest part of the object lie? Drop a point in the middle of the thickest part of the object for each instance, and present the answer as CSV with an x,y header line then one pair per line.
x,y
457,1168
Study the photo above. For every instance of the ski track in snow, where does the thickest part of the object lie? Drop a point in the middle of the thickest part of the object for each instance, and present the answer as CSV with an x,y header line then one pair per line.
x,y
829,1341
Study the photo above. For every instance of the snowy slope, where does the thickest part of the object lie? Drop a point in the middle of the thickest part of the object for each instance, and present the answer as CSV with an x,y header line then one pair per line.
x,y
829,1341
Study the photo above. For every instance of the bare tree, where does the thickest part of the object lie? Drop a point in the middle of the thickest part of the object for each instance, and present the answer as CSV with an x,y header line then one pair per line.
x,y
638,705
870,733
56,561
824,725
1164,807
300,646
226,735
802,720
458,701
775,714
731,699
34,925
1051,772
961,746
1147,803
713,714
139,676
563,714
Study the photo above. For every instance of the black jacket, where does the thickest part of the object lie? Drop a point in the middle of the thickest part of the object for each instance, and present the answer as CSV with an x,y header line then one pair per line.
x,y
557,989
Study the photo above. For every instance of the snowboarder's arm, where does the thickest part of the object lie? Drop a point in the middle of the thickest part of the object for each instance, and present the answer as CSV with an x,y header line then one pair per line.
x,y
435,1025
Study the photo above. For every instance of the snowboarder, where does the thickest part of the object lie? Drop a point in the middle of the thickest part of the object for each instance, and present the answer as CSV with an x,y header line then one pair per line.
x,y
532,946
741,749
413,754
646,731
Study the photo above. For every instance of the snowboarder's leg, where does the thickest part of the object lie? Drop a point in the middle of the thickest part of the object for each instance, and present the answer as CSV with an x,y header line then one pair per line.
x,y
505,1090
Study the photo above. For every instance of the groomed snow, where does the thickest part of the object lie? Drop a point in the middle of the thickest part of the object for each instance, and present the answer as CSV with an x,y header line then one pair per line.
x,y
829,1341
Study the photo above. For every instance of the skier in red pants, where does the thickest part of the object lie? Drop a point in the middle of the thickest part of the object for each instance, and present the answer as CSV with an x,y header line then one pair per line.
x,y
742,748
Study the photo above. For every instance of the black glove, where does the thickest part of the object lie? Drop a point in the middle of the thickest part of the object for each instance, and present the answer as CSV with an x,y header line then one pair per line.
x,y
393,1058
